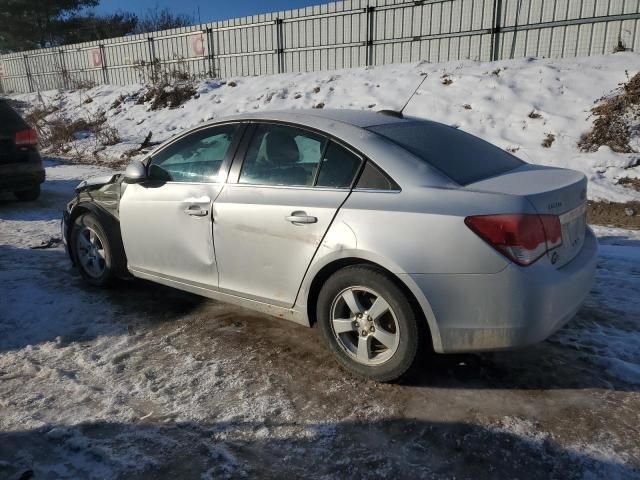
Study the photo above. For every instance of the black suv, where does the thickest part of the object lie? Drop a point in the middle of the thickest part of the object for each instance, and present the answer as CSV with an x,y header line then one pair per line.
x,y
21,170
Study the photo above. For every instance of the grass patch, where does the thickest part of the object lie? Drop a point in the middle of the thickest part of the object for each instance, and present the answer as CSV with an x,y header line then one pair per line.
x,y
614,214
446,79
548,140
617,119
633,183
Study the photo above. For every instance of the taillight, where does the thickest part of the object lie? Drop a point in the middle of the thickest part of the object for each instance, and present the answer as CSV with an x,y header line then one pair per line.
x,y
552,230
26,137
522,238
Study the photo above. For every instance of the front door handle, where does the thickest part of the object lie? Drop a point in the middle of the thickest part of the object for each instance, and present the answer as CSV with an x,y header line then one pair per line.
x,y
196,211
300,217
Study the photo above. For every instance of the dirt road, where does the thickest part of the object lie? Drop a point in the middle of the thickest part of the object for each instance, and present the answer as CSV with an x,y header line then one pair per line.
x,y
147,382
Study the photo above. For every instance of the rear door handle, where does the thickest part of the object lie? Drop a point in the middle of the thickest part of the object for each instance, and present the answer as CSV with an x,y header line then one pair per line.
x,y
196,211
300,217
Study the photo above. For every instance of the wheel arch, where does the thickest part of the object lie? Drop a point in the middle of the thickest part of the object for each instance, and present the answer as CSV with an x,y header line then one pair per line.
x,y
112,228
417,299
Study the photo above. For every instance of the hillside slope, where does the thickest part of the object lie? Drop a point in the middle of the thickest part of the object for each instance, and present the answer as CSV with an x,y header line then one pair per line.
x,y
538,109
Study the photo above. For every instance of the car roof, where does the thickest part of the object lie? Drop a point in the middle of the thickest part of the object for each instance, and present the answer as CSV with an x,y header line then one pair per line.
x,y
351,126
356,118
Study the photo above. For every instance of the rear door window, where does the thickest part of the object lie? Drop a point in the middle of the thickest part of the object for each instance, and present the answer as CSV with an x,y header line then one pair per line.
x,y
339,167
10,124
282,155
462,157
10,121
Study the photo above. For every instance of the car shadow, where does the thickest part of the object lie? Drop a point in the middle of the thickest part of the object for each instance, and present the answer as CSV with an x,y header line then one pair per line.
x,y
274,449
548,365
44,299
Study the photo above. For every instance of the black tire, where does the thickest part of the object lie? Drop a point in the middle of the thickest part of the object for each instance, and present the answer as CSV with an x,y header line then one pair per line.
x,y
28,195
408,328
107,277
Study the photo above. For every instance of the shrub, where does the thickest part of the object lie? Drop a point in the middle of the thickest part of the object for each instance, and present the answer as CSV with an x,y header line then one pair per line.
x,y
171,89
58,133
548,140
616,119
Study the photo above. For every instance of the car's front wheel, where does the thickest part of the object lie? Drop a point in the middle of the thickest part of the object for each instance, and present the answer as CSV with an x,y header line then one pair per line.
x,y
28,195
92,250
369,323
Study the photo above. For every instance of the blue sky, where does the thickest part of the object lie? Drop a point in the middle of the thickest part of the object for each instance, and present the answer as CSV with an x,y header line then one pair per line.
x,y
209,9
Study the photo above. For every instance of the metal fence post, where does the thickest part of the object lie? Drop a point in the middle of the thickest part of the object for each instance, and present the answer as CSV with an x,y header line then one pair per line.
x,y
369,10
352,35
28,72
103,61
495,29
152,54
280,44
212,61
63,70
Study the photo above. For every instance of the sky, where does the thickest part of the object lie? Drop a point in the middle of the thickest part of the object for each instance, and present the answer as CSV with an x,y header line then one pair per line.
x,y
210,10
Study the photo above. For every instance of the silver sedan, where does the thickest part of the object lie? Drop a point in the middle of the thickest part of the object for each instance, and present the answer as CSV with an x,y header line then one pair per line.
x,y
394,235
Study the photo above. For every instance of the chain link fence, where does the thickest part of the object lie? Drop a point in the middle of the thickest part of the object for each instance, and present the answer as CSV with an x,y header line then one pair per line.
x,y
352,33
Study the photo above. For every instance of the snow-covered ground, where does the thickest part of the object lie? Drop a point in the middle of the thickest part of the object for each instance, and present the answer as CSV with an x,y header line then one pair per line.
x,y
491,100
146,382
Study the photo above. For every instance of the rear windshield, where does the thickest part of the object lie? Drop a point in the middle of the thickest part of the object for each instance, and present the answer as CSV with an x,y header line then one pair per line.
x,y
462,157
10,121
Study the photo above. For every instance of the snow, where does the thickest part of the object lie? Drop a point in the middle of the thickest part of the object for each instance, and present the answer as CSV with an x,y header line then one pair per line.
x,y
72,357
491,100
97,384
613,345
601,455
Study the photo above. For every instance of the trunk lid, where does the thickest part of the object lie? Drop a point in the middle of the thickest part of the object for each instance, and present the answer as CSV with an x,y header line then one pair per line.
x,y
551,191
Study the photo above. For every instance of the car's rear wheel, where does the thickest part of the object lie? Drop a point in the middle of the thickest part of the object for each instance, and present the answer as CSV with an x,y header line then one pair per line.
x,y
92,250
369,323
28,195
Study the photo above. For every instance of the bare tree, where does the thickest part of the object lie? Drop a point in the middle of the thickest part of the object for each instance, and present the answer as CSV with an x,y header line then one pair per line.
x,y
156,19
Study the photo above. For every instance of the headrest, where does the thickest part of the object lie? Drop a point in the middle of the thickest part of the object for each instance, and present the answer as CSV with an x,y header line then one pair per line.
x,y
282,149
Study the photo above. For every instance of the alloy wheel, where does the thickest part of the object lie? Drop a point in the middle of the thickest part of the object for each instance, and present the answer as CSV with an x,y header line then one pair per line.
x,y
364,325
90,252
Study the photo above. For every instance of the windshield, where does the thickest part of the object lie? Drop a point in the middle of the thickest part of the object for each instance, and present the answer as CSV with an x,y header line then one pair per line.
x,y
462,157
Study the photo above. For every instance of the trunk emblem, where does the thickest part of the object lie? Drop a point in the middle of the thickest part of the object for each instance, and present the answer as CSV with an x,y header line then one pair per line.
x,y
554,205
554,258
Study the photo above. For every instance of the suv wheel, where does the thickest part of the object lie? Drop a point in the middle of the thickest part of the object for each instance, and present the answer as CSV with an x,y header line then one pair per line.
x,y
92,250
28,195
368,323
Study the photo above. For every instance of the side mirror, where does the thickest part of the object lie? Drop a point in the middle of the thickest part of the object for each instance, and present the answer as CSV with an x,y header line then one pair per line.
x,y
136,172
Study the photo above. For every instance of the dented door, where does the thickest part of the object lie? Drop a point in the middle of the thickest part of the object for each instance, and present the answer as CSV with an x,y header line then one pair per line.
x,y
265,237
166,230
166,220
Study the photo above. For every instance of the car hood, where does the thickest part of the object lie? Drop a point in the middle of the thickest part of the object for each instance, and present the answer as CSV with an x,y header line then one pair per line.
x,y
97,182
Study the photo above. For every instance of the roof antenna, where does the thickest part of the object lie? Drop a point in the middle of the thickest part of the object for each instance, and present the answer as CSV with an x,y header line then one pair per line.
x,y
398,113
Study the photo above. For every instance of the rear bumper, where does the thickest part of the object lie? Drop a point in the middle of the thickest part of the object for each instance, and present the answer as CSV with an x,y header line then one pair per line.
x,y
510,309
20,176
